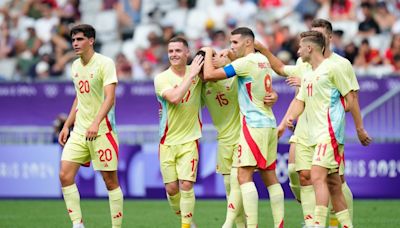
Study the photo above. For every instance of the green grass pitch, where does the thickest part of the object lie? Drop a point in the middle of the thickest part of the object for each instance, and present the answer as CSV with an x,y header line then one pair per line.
x,y
156,213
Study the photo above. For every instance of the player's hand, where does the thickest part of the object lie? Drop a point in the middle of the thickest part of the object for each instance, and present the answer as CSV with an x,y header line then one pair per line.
x,y
91,133
293,81
290,122
363,136
220,61
270,99
196,65
63,136
280,130
259,46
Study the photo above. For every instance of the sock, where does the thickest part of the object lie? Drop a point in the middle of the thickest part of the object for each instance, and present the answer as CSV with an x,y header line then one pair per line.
x,y
348,196
250,203
294,181
116,200
277,204
333,221
234,212
72,201
187,206
320,214
175,203
227,184
184,225
308,204
344,218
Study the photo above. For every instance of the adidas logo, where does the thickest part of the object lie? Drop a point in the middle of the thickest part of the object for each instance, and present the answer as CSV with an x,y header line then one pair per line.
x,y
119,215
69,210
231,206
189,215
307,217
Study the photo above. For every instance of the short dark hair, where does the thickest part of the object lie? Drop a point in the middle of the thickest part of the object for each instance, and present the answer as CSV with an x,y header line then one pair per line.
x,y
314,37
322,23
86,29
179,39
244,31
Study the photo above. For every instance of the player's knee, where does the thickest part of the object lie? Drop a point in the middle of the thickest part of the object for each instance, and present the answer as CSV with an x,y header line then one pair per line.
x,y
186,185
305,177
110,182
66,178
172,189
318,179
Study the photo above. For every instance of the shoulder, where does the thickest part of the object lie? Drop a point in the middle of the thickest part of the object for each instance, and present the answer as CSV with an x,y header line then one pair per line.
x,y
104,59
162,75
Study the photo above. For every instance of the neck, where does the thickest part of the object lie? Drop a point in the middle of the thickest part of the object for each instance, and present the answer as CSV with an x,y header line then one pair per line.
x,y
85,57
249,50
327,52
179,70
316,59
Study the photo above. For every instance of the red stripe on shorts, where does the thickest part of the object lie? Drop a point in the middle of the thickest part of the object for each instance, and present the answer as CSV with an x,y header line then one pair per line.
x,y
113,142
261,162
334,143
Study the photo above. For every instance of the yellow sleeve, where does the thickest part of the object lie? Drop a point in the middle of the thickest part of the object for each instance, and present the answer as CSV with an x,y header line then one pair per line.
x,y
350,74
341,81
301,94
161,84
292,70
241,66
109,72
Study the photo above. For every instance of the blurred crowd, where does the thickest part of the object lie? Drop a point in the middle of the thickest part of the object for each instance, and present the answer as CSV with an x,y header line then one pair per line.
x,y
35,42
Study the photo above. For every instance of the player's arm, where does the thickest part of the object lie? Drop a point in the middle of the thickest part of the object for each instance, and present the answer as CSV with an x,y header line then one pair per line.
x,y
175,95
63,136
109,101
271,98
282,126
276,64
294,112
211,73
362,134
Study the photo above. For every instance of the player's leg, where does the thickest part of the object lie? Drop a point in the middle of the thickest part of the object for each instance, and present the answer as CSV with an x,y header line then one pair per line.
x,y
170,176
294,181
249,195
276,196
70,191
269,177
75,153
338,200
326,160
303,163
348,195
318,177
234,214
104,153
235,211
187,162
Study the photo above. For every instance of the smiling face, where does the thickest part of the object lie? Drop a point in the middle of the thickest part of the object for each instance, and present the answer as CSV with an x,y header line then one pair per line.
x,y
81,44
178,54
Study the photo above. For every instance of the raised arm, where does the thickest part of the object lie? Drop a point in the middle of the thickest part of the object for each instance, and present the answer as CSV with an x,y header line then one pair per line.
x,y
175,95
276,64
211,73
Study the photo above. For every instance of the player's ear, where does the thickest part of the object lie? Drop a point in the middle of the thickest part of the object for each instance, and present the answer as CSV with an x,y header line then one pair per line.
x,y
91,41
